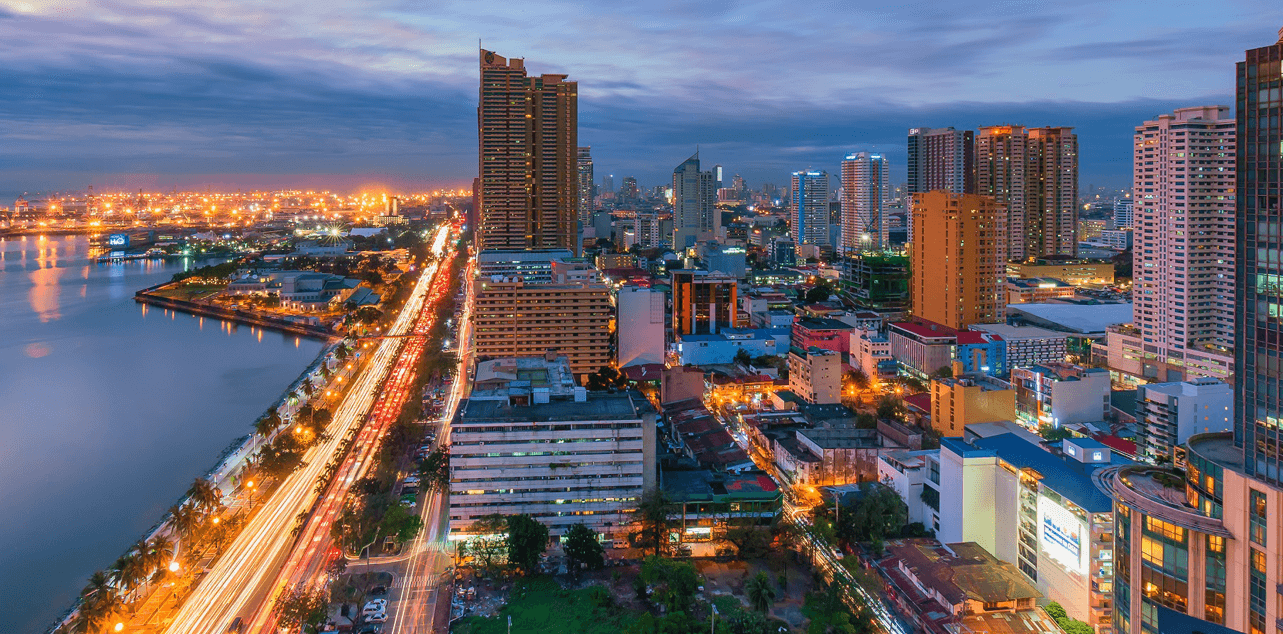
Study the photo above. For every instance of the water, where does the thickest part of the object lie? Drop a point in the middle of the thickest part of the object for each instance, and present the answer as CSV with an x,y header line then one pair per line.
x,y
108,410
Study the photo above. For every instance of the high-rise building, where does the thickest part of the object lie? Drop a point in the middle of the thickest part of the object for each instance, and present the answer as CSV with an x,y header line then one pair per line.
x,y
809,208
608,183
527,132
1033,174
717,177
866,202
513,318
1123,208
640,325
957,259
942,158
1169,413
629,190
646,229
695,214
1183,243
703,303
586,186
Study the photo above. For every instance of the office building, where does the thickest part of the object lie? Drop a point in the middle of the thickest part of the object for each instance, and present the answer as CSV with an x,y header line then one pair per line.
x,y
512,318
815,375
957,259
1056,394
695,214
640,328
646,229
586,186
1169,413
1038,290
1183,260
941,158
1073,272
529,440
527,132
722,258
724,346
1033,174
533,266
866,202
970,399
703,303
809,208
823,333
923,348
1123,213
1029,345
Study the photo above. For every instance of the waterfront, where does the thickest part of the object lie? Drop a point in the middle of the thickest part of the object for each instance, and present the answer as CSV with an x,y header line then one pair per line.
x,y
112,408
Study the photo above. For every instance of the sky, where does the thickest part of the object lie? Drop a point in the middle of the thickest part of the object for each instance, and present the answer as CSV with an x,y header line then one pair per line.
x,y
154,94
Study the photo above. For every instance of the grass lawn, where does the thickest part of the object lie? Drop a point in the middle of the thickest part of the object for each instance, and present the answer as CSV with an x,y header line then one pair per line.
x,y
540,606
188,293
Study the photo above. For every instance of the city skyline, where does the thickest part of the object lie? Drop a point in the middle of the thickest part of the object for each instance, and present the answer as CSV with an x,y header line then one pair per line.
x,y
192,97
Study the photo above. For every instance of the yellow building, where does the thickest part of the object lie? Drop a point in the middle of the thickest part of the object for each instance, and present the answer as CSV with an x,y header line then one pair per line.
x,y
956,403
957,259
515,319
1075,272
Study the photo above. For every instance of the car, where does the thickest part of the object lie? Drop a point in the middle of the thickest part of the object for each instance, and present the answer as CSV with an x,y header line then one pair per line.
x,y
408,501
411,480
379,591
377,617
375,606
373,628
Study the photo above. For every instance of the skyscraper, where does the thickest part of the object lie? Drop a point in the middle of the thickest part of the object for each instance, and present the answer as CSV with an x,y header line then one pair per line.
x,y
527,132
809,208
695,214
942,158
1033,174
957,259
1123,213
1183,252
866,199
586,186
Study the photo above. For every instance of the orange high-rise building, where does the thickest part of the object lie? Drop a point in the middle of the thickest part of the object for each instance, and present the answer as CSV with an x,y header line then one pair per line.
x,y
528,145
958,258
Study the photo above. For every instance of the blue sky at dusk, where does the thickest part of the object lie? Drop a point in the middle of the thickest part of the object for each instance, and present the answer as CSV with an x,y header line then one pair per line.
x,y
155,94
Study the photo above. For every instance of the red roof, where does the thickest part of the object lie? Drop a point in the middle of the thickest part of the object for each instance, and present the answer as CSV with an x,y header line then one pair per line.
x,y
1114,442
920,402
973,337
923,330
643,372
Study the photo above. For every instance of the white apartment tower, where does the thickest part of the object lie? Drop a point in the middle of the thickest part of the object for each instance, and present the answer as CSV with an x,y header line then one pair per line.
x,y
866,200
695,214
584,166
809,208
1183,253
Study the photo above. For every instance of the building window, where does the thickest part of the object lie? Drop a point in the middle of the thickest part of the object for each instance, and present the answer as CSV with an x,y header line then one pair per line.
x,y
1258,516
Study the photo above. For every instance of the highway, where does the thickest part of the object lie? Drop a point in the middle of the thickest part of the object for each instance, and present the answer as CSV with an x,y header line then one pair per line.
x,y
235,585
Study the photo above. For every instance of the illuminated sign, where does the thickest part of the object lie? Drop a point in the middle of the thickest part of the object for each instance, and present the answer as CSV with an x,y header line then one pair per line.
x,y
1061,534
118,240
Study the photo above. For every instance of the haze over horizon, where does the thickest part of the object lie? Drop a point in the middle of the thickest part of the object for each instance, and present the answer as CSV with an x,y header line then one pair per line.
x,y
133,94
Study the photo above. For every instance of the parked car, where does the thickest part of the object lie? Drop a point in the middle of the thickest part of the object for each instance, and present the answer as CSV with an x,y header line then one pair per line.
x,y
377,617
409,501
374,606
379,591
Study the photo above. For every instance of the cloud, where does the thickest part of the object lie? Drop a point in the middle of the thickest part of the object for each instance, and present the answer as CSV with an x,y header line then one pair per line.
x,y
389,86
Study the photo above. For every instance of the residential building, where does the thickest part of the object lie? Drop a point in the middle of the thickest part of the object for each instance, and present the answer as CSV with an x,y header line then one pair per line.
x,y
871,353
695,214
512,318
970,399
529,440
957,259
1037,290
915,476
1183,262
724,346
941,159
1043,512
722,258
921,347
783,252
641,321
823,333
583,164
527,133
703,302
830,456
1029,345
708,503
1074,272
1169,413
1056,394
815,375
533,266
866,201
1123,213
646,230
809,208
878,283
1032,173
944,589
701,439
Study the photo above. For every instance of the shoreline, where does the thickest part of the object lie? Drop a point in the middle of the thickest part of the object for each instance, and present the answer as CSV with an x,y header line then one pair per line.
x,y
146,296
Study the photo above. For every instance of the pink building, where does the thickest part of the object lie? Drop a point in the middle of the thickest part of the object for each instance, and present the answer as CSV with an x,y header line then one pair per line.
x,y
822,333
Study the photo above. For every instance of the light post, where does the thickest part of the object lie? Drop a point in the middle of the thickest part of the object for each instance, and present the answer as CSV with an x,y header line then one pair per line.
x,y
712,628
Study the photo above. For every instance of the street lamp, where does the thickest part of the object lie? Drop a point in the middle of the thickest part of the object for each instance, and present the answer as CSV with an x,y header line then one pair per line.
x,y
119,626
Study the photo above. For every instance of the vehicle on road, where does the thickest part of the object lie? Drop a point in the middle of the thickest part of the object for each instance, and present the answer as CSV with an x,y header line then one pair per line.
x,y
237,626
377,617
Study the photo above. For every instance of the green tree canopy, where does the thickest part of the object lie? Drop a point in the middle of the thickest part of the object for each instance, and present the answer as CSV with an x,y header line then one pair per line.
x,y
527,540
583,547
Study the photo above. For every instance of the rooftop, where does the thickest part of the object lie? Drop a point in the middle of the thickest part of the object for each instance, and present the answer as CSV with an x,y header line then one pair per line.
x,y
687,486
1016,333
924,329
598,406
822,323
1090,319
843,438
962,571
1064,475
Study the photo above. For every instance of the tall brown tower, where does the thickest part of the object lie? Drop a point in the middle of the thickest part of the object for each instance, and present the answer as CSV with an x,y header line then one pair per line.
x,y
1033,174
958,256
527,140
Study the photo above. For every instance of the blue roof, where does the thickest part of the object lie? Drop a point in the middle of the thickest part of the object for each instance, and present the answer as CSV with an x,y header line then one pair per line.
x,y
1066,476
956,445
728,333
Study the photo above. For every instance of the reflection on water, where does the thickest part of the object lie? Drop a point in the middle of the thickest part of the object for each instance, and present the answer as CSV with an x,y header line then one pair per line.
x,y
108,411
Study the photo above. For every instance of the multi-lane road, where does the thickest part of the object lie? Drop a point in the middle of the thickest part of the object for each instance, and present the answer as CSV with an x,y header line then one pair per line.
x,y
243,579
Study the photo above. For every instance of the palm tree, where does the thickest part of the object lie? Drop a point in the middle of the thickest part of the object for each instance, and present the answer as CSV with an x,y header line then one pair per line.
x,y
129,570
160,551
264,426
184,520
204,495
98,604
760,592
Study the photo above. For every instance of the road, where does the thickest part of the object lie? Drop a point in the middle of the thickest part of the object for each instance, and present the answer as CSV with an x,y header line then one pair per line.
x,y
414,601
235,586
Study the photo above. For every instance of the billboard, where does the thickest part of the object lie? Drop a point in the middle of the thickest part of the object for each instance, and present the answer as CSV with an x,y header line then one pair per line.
x,y
1063,536
118,240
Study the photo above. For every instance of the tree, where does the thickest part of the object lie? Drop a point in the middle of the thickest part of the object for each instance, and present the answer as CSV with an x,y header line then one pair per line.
x,y
354,528
1056,611
606,378
651,519
302,608
184,520
400,523
583,547
878,515
1054,434
830,615
267,424
761,594
158,552
818,293
435,469
99,605
750,541
742,357
128,571
527,540
891,407
205,496
673,583
490,539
